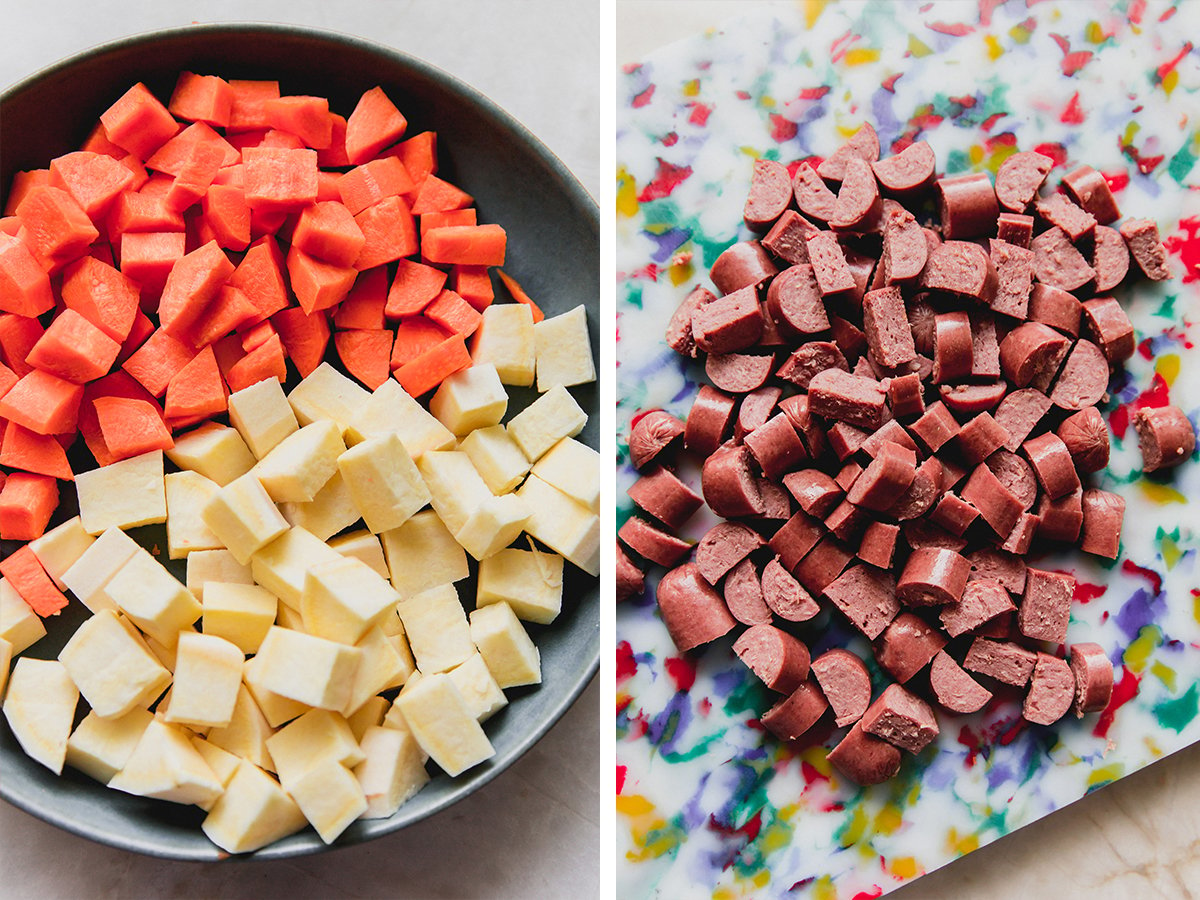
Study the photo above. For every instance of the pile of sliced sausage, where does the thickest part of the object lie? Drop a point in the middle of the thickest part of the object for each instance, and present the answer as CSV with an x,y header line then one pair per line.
x,y
898,413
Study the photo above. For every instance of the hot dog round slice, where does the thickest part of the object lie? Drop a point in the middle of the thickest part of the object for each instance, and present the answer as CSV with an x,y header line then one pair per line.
x,y
959,267
786,596
982,601
846,683
724,546
1090,190
863,145
813,196
679,329
770,193
1056,261
1086,438
953,688
744,596
1083,380
796,713
739,373
776,657
652,543
864,758
908,172
630,580
1019,177
708,421
858,197
692,610
728,483
1051,690
968,206
1093,677
788,237
1110,258
901,718
933,576
660,493
1165,437
1107,323
907,645
1052,464
755,409
794,301
1103,515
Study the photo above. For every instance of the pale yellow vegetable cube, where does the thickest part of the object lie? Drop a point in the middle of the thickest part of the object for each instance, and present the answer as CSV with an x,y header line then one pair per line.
x,y
330,511
505,339
112,667
546,421
281,566
262,415
530,581
564,353
153,598
394,718
343,598
214,450
223,763
392,772
562,524
276,708
384,481
6,657
88,576
369,715
437,630
470,398
455,488
243,516
302,463
290,618
442,724
408,665
391,409
327,394
493,525
19,625
247,732
310,669
574,469
100,747
422,553
204,566
318,734
240,613
253,811
188,493
164,765
125,494
60,548
330,797
208,675
496,457
379,668
40,709
163,653
365,547
478,687
505,645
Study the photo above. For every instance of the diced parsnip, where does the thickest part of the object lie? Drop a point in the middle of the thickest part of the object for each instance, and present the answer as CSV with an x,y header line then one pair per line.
x,y
214,450
343,598
19,625
240,613
391,410
455,488
395,720
59,549
509,652
438,717
496,457
243,516
392,772
290,618
327,394
100,747
124,494
478,687
422,553
437,630
6,656
187,494
164,765
564,353
574,469
204,566
470,398
247,732
330,797
369,715
89,575
494,524
546,421
379,668
318,734
208,675
365,547
281,566
399,642
276,708
384,481
252,812
262,415
562,524
163,653
330,511
310,669
153,598
530,581
505,339
40,709
112,667
223,763
302,462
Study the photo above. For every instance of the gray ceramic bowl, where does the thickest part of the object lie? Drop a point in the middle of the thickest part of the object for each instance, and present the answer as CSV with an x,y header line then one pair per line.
x,y
553,250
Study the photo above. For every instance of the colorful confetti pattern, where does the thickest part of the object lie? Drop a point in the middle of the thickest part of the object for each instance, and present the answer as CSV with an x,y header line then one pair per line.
x,y
706,806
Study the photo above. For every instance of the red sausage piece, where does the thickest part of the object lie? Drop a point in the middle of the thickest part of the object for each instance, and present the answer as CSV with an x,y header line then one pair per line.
x,y
777,506
756,407
770,193
776,447
813,196
924,534
810,358
1046,605
933,576
1019,177
1021,538
901,718
724,546
982,601
796,713
1141,236
1165,437
708,421
922,494
847,520
1061,519
980,438
1107,323
864,758
998,565
744,596
1016,475
885,323
1019,413
1089,189
1093,677
794,301
953,688
936,427
878,544
1051,690
779,659
729,323
1052,464
1083,380
728,484
843,397
954,514
788,238
845,682
908,172
1014,278
1110,258
679,329
795,538
960,267
985,345
967,204
631,581
1002,660
1103,516
786,596
892,431
1086,437
972,399
652,433
907,646
739,373
1057,209
824,563
867,597
1031,352
829,264
858,197
886,479
743,265
1056,261
1015,229
998,506
814,490
653,543
905,395
1055,307
692,610
863,144
661,493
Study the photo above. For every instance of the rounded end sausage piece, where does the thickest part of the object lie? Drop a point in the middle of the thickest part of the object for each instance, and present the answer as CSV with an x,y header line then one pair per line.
x,y
1103,515
692,610
1108,325
1165,437
933,576
1030,352
909,171
679,329
858,197
660,493
724,546
652,433
770,193
708,421
794,301
812,194
1093,678
786,596
1086,437
788,237
1051,690
1083,380
863,144
953,688
864,758
1056,260
777,658
631,581
901,718
744,596
1090,190
652,543
960,267
1052,464
907,646
796,713
968,206
846,683
1019,177
739,373
728,484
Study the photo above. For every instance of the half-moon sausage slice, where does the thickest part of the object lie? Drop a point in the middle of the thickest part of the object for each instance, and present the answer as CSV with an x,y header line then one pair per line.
x,y
813,195
724,546
776,657
901,718
796,713
1093,677
1051,690
907,646
845,682
864,758
692,610
863,144
728,484
744,264
953,688
1083,379
908,172
770,193
1019,177
744,596
786,596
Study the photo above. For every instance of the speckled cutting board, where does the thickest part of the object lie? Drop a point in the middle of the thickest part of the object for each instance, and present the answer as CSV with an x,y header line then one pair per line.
x,y
707,806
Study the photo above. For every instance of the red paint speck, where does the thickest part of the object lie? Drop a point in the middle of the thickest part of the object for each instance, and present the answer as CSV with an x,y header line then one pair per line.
x,y
972,742
782,129
643,98
986,8
1010,734
1154,397
670,139
630,68
966,102
876,891
743,95
682,672
1117,181
621,772
666,179
810,773
626,664
954,29
1073,114
990,122
1186,245
1131,568
1085,593
1169,66
815,93
1137,9
704,707
889,83
1056,152
1073,60
1166,15
1123,691
699,114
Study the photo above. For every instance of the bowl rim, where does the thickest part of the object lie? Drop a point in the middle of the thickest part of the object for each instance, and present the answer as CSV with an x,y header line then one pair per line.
x,y
578,194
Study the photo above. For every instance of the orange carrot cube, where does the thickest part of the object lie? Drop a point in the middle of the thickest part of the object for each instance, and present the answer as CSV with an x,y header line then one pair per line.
x,y
138,122
43,403
27,502
74,349
24,572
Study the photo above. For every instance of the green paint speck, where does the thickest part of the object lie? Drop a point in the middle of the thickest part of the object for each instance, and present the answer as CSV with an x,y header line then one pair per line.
x,y
1176,714
1181,163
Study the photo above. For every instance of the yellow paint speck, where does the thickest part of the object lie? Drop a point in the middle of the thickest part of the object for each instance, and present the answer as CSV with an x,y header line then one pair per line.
x,y
812,11
905,867
1105,774
1171,553
627,202
1161,493
823,889
681,273
861,55
994,50
856,829
691,88
1138,652
1169,81
1167,366
975,154
633,805
1165,674
888,819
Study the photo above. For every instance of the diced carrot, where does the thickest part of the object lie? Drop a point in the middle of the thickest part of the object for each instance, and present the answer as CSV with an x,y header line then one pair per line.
x,y
317,285
224,210
131,427
389,233
228,351
148,257
243,139
11,225
306,117
27,502
431,368
174,156
366,354
335,154
363,306
447,217
413,288
97,142
468,245
374,124
419,155
59,229
196,390
43,403
260,277
473,284
157,185
454,313
263,362
365,185
518,294
202,98
304,337
24,285
281,140
327,185
191,287
141,329
22,184
74,349
18,334
413,337
136,211
254,335
157,361
92,179
195,177
269,223
230,309
23,571
136,169
327,231
102,295
32,452
114,384
231,175
249,104
138,122
279,179
7,379
436,195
